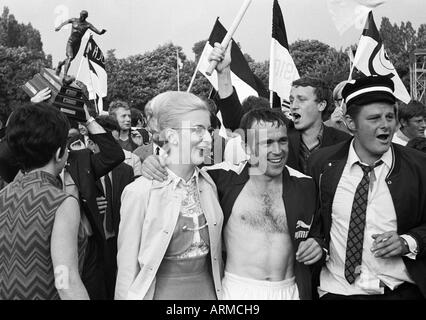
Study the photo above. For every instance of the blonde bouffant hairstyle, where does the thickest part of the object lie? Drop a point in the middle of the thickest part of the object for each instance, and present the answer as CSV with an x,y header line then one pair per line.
x,y
168,109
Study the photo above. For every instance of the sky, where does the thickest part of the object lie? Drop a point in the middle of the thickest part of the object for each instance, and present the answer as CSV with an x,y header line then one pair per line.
x,y
137,26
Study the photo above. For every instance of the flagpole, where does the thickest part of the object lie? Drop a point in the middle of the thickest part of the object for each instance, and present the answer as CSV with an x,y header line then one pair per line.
x,y
177,69
195,72
271,74
192,79
230,33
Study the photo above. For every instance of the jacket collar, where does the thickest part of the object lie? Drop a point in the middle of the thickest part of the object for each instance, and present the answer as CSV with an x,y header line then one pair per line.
x,y
173,179
342,151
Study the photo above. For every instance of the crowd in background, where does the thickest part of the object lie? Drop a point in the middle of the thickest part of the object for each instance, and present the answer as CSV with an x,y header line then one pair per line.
x,y
121,206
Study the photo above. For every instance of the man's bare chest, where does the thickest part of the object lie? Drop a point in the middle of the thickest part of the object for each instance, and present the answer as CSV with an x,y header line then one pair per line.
x,y
261,209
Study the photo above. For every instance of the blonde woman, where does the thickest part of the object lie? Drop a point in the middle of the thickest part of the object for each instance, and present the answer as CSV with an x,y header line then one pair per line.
x,y
169,241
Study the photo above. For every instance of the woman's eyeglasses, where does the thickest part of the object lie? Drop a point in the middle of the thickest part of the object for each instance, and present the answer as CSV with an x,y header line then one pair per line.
x,y
199,130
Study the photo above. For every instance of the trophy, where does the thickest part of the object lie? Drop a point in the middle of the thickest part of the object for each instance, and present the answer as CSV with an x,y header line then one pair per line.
x,y
66,95
68,98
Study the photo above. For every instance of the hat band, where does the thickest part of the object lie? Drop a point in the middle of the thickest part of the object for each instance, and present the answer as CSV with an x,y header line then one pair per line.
x,y
365,90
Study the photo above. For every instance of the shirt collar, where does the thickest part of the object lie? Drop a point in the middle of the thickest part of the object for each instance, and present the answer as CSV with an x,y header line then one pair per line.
x,y
353,158
402,136
175,180
319,137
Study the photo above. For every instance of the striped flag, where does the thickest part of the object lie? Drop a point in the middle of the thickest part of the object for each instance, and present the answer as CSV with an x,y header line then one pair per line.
x,y
242,77
93,74
371,59
282,70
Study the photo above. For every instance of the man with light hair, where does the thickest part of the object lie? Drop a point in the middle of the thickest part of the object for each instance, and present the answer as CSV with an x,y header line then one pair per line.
x,y
372,209
121,111
337,118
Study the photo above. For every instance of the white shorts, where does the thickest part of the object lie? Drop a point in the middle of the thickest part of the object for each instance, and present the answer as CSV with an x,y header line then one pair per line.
x,y
240,288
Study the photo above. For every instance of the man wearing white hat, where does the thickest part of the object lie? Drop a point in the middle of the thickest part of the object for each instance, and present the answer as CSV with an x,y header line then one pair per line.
x,y
372,209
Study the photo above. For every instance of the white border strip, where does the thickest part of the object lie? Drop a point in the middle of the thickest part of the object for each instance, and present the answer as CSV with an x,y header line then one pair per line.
x,y
365,90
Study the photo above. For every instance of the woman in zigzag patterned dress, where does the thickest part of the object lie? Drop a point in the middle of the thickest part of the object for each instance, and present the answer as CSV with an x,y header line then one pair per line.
x,y
38,221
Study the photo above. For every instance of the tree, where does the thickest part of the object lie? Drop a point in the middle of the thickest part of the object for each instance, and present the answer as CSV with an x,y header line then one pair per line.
x,y
139,78
14,34
421,37
21,56
198,48
17,66
316,59
261,70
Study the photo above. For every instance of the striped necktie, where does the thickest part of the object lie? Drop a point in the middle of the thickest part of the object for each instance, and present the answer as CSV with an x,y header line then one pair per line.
x,y
355,239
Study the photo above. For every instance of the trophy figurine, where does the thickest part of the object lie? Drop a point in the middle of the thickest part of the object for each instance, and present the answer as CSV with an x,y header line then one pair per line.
x,y
79,28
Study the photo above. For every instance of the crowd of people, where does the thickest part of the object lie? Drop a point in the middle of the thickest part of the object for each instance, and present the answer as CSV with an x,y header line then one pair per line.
x,y
328,203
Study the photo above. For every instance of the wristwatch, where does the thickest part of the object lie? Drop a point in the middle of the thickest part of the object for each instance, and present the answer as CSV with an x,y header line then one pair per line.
x,y
406,246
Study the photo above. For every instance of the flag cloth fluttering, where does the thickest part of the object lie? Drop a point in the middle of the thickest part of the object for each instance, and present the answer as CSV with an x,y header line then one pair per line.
x,y
348,13
371,59
243,79
178,61
282,70
93,74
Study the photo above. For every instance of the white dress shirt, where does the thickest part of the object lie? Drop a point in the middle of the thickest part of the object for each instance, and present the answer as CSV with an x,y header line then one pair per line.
x,y
380,218
400,138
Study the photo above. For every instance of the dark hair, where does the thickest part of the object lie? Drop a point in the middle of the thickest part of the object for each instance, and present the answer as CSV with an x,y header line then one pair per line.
x,y
253,102
35,132
418,143
108,122
321,89
211,105
274,116
136,115
411,110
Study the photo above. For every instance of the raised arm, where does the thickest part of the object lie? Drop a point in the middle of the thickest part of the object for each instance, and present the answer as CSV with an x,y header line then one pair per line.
x,y
110,153
91,27
228,103
223,68
63,23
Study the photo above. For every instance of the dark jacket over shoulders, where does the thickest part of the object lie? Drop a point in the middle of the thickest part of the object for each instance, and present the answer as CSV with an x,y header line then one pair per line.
x,y
407,185
232,112
85,168
331,136
299,197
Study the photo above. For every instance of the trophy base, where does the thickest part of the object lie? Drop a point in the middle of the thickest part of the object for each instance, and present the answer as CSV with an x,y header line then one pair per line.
x,y
65,95
68,80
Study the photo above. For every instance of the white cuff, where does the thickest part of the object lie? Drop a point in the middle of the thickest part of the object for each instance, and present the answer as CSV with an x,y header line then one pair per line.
x,y
412,246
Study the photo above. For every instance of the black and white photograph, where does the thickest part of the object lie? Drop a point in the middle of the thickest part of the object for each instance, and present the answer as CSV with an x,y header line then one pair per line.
x,y
215,155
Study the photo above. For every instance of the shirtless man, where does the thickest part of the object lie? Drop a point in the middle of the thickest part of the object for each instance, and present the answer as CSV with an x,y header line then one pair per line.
x,y
268,209
260,254
79,28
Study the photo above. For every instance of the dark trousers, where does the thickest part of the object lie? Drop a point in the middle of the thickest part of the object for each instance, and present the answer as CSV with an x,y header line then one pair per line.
x,y
110,266
406,291
93,276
